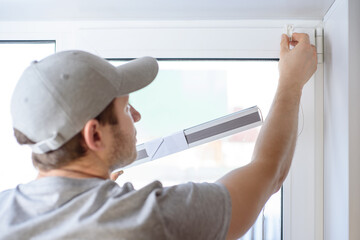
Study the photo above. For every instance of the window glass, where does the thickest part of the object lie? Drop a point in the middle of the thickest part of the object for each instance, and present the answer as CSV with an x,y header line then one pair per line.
x,y
187,93
16,164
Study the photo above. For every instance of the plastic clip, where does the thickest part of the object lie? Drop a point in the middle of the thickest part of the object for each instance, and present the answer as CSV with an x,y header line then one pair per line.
x,y
289,29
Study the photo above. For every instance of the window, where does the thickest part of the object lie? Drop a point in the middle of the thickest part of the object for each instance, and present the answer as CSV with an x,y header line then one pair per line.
x,y
231,39
16,164
189,92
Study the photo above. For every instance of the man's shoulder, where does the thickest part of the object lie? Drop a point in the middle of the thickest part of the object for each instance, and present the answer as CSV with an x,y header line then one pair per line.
x,y
122,210
4,196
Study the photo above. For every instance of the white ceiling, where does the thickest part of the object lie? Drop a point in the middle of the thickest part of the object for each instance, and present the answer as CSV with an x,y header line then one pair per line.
x,y
63,10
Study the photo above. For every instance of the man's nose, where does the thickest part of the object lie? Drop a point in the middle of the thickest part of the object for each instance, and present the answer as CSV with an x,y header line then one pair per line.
x,y
135,114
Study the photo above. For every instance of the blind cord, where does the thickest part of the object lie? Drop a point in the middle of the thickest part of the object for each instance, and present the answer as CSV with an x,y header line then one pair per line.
x,y
303,120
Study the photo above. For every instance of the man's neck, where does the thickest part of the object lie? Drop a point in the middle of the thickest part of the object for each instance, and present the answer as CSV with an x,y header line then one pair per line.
x,y
86,167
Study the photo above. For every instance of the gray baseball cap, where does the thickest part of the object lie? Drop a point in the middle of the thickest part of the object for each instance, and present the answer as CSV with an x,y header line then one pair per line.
x,y
56,96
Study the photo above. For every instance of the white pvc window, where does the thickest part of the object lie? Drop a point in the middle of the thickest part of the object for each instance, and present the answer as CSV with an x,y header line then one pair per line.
x,y
243,39
16,165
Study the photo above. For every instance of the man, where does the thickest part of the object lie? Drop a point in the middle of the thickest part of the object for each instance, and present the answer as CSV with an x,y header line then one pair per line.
x,y
72,109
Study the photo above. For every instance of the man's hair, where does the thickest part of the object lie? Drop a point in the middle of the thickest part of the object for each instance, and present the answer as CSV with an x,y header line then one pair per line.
x,y
71,150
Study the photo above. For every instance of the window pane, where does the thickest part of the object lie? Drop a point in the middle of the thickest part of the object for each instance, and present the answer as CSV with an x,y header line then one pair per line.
x,y
188,93
16,165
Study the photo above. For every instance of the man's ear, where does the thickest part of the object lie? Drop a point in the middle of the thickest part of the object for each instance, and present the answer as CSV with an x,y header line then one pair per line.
x,y
93,135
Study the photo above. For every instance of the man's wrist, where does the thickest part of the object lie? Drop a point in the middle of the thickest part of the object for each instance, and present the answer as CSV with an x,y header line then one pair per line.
x,y
289,91
290,84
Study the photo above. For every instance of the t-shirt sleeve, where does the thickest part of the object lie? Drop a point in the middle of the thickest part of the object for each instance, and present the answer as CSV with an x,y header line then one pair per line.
x,y
195,210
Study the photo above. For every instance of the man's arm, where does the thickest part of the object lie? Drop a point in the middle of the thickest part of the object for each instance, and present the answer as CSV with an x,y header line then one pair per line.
x,y
252,185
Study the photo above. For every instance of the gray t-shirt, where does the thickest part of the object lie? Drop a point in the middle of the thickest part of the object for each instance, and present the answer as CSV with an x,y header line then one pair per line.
x,y
66,208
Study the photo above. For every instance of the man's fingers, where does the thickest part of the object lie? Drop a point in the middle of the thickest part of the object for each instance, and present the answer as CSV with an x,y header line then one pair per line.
x,y
314,51
284,45
115,175
293,43
300,38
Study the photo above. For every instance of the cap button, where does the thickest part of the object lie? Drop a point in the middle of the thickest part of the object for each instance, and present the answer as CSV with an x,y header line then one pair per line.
x,y
65,76
34,62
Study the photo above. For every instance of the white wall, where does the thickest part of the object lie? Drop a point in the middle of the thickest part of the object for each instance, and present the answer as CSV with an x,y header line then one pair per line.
x,y
341,121
336,127
163,10
354,120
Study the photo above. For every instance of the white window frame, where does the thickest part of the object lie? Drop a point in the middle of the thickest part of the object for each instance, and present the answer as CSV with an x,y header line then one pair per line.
x,y
257,39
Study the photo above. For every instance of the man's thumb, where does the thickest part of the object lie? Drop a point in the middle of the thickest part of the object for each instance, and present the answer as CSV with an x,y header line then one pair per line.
x,y
284,45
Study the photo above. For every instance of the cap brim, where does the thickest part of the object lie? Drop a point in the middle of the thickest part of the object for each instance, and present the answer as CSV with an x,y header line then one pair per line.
x,y
137,74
